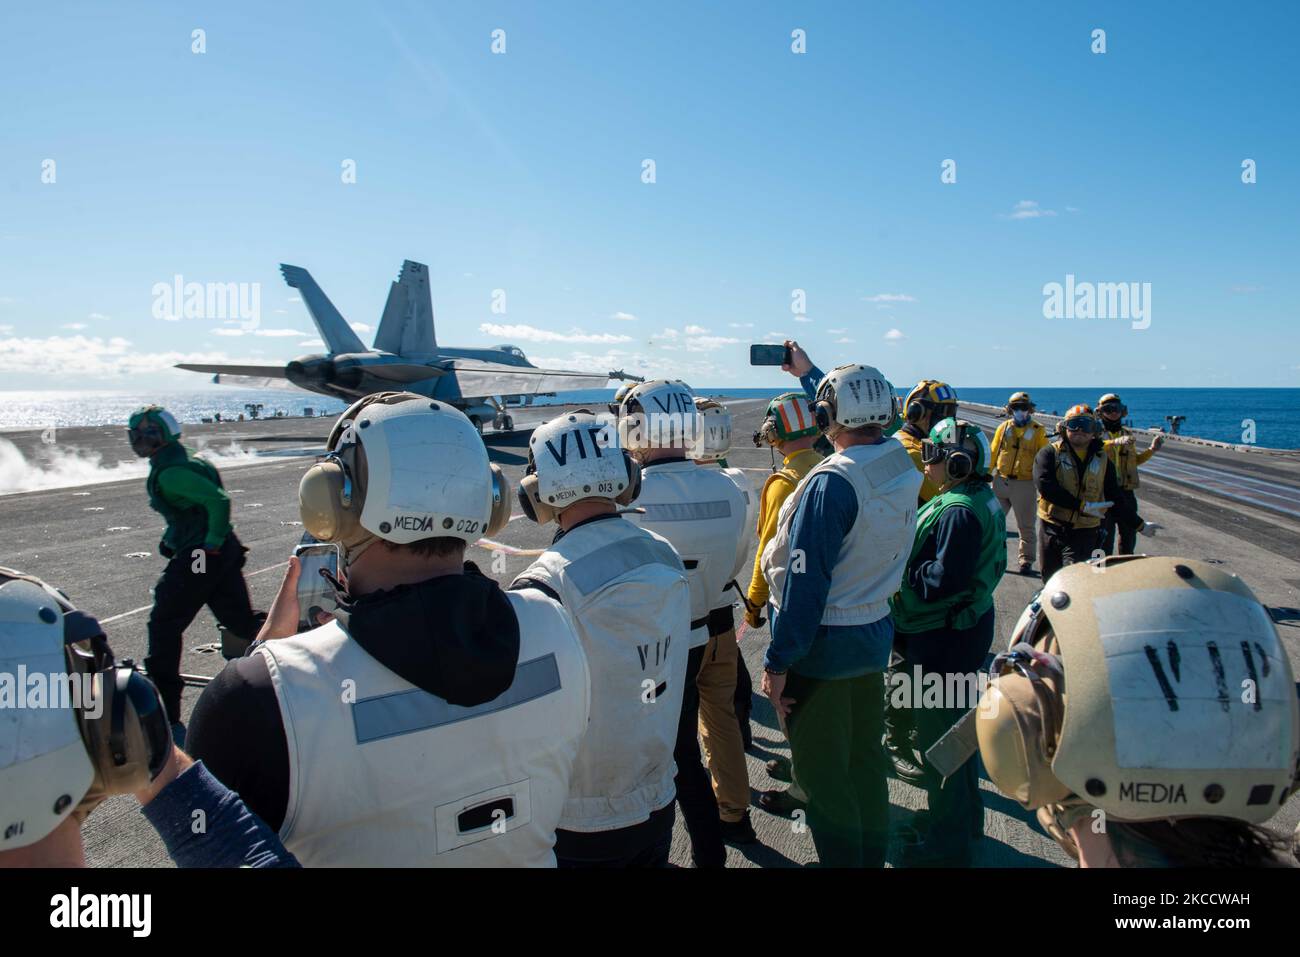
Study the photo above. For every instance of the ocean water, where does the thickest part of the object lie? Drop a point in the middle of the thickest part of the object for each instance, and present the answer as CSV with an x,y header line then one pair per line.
x,y
1226,415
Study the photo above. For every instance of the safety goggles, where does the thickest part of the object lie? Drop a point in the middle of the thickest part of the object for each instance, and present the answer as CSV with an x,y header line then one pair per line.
x,y
1020,407
932,453
1081,423
1110,409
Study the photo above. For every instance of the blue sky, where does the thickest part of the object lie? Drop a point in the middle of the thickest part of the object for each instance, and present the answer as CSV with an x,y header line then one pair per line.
x,y
774,172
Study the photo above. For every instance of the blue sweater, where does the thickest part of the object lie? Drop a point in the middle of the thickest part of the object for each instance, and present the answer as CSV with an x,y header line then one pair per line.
x,y
231,835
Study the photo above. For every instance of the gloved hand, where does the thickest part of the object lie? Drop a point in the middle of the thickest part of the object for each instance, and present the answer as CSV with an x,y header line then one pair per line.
x,y
1158,441
754,616
1096,508
1149,529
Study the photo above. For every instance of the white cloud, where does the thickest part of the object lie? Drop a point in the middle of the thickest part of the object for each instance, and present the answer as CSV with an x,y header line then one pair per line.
x,y
802,319
741,325
97,315
708,343
6,330
74,326
696,331
361,326
889,297
843,342
623,317
313,343
73,358
1072,209
533,334
294,299
228,331
1245,290
584,361
894,335
777,335
1029,209
278,333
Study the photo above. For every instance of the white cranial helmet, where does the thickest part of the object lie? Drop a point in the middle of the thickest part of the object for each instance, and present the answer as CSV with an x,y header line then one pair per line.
x,y
576,456
851,396
659,414
715,430
45,769
403,468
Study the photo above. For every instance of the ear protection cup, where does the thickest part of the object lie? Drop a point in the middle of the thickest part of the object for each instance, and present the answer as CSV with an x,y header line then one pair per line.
x,y
824,415
959,465
500,501
327,501
1018,729
125,728
916,409
530,499
629,494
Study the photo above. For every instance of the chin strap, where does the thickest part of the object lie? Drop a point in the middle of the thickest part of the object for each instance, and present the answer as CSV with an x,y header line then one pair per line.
x,y
1058,819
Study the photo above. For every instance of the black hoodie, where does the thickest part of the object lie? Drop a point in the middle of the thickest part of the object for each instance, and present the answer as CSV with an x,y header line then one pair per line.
x,y
466,654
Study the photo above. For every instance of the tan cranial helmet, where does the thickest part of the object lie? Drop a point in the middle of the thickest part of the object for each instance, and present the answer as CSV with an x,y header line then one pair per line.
x,y
1149,687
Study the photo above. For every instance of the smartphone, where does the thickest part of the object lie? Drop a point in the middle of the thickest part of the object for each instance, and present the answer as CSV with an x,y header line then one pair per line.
x,y
315,594
763,354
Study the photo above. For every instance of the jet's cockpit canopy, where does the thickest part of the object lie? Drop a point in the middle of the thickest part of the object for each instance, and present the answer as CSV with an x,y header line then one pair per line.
x,y
513,350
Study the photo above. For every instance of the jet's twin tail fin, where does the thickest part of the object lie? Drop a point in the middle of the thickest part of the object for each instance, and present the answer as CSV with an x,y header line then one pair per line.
x,y
338,335
406,328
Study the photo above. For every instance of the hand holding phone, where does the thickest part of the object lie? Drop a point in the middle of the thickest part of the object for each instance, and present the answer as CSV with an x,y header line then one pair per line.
x,y
315,594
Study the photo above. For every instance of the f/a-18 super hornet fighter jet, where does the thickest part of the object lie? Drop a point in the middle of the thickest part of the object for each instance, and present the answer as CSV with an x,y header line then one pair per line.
x,y
484,383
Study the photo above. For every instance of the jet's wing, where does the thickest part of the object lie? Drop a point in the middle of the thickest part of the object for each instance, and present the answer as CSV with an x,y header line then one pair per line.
x,y
260,372
249,377
478,380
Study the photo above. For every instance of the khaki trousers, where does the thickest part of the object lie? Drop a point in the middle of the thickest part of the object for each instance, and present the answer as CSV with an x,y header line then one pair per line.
x,y
719,730
1020,496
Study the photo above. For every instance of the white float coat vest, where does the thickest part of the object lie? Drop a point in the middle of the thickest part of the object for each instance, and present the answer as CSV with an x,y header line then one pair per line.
x,y
749,532
702,513
383,774
873,557
627,592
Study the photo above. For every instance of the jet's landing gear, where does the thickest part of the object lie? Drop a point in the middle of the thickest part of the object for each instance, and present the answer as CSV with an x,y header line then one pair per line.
x,y
502,421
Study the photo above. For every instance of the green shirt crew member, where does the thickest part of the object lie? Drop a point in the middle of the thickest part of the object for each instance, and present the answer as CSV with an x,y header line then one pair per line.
x,y
943,620
205,558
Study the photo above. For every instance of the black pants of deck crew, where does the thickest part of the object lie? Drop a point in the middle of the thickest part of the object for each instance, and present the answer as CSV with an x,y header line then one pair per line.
x,y
179,596
1115,531
1061,545
835,728
956,808
694,786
